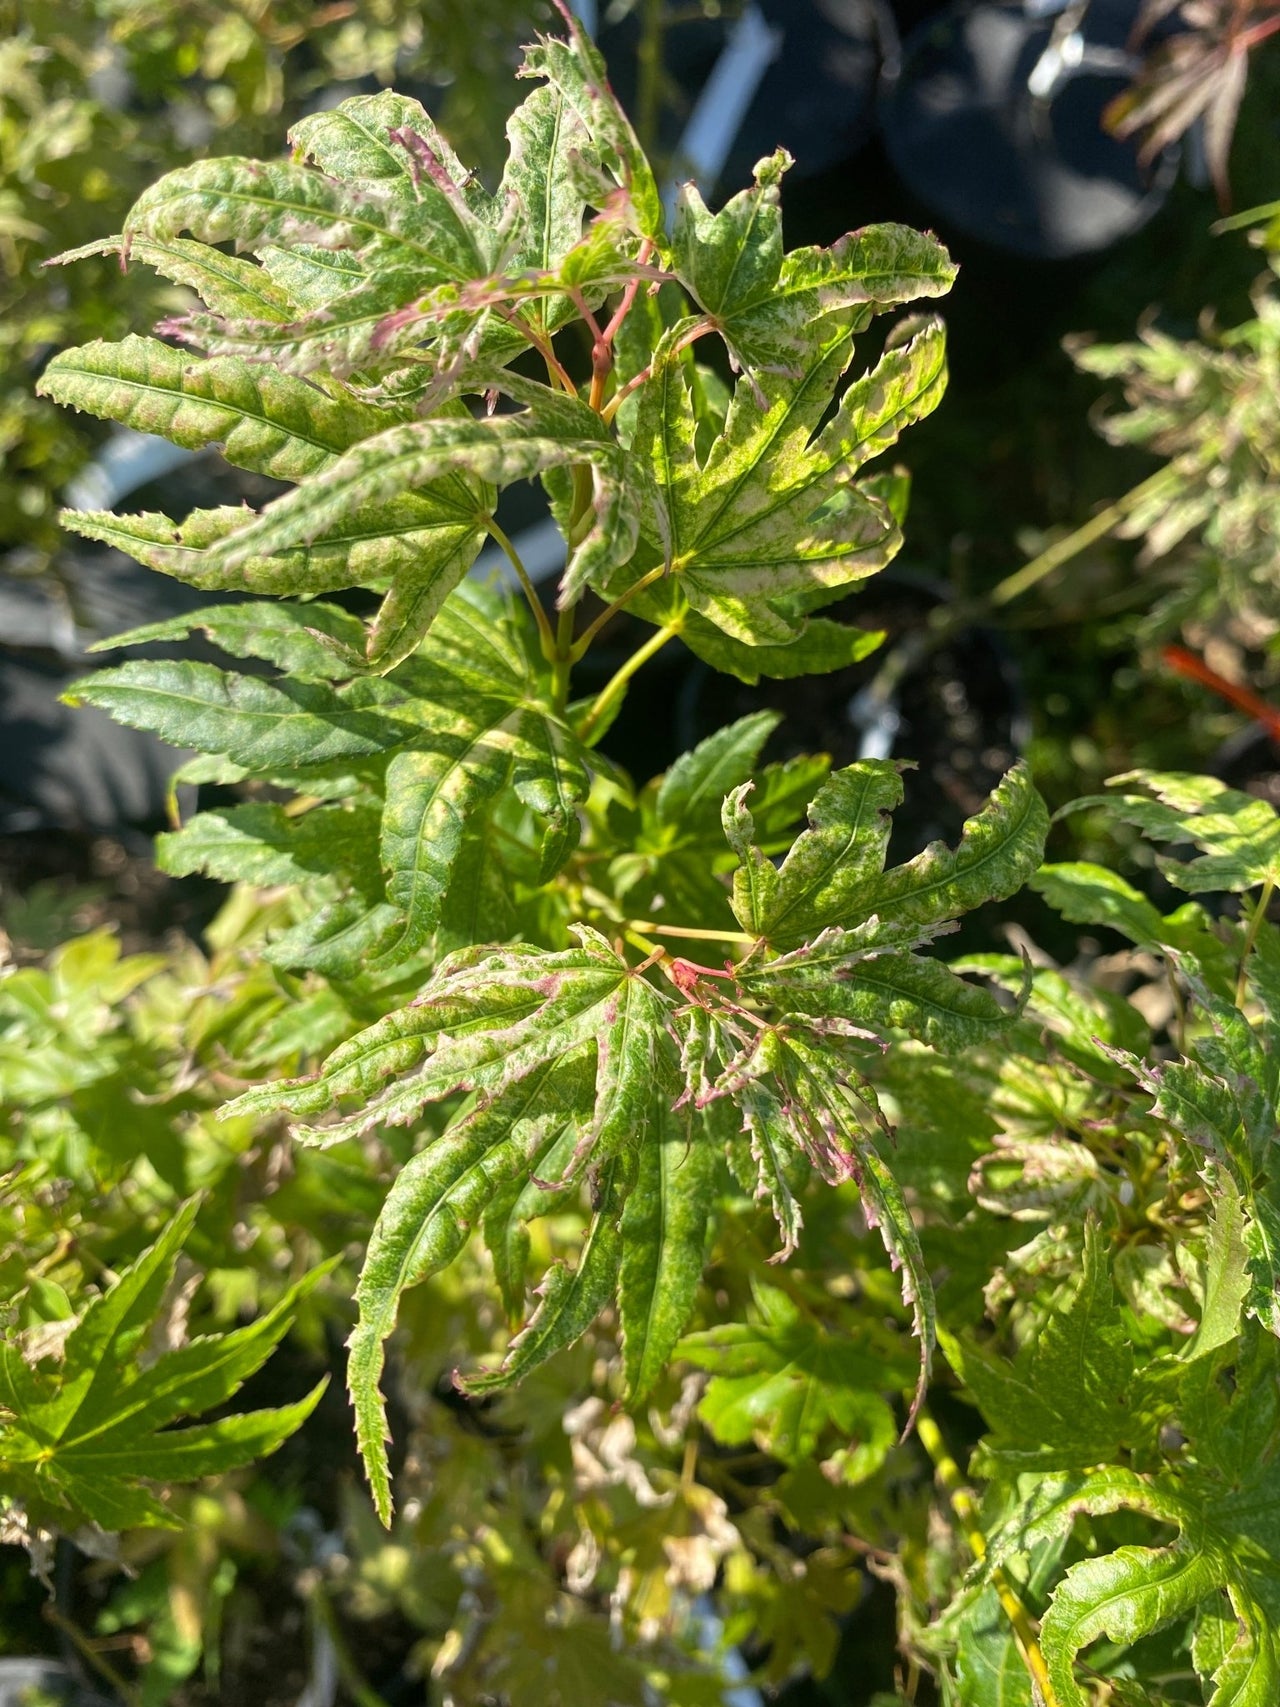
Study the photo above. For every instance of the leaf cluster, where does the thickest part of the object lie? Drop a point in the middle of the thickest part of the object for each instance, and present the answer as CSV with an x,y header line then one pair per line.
x,y
1207,406
83,1433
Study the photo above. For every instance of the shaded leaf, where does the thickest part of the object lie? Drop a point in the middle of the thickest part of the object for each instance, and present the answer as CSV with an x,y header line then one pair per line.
x,y
429,1214
83,1439
664,1232
790,1385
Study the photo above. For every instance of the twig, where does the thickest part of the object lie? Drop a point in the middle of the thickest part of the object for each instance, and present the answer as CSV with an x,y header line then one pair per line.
x,y
947,620
616,686
593,628
1063,550
962,1504
1251,937
89,1654
647,929
547,638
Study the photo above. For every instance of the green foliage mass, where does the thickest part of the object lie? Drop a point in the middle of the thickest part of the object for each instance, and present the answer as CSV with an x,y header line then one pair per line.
x,y
1207,405
97,95
663,1128
87,1433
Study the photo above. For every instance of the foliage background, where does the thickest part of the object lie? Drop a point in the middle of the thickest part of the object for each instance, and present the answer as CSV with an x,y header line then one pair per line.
x,y
132,1056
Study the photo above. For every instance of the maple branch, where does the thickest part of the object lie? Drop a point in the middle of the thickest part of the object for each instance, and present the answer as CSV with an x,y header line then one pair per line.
x,y
947,620
965,1508
500,536
615,687
1249,39
638,379
1072,544
1251,936
628,296
89,1653
589,633
555,367
649,929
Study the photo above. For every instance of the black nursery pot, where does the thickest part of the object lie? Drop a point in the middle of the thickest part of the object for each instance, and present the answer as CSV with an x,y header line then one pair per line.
x,y
1007,145
816,97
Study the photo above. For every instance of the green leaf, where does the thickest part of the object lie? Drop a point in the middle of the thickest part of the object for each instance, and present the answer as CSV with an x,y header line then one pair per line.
x,y
772,511
261,419
258,724
348,336
833,864
999,850
312,642
1124,1596
821,646
860,976
428,1216
1224,1101
361,141
486,724
483,1021
691,791
802,1095
227,284
461,456
338,939
569,1300
1238,834
1091,895
84,1437
1226,1278
766,304
388,543
990,1669
664,1229
575,70
755,883
545,136
791,1386
263,844
276,203
1070,1398
549,1187
729,262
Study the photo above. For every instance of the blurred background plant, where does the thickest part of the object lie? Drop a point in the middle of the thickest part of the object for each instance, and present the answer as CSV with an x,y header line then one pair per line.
x,y
1195,75
98,97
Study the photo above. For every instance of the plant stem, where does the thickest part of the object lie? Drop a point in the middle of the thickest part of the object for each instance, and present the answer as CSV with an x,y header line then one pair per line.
x,y
616,686
1097,527
89,1654
556,370
1250,937
646,373
963,1505
1249,39
562,657
589,633
647,929
649,67
530,591
947,620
